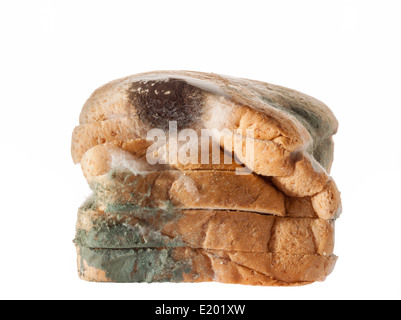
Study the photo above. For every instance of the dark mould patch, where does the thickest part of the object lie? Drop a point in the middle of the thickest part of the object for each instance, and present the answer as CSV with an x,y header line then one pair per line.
x,y
158,102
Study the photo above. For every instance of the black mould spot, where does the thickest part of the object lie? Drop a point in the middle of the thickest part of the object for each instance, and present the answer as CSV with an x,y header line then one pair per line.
x,y
160,101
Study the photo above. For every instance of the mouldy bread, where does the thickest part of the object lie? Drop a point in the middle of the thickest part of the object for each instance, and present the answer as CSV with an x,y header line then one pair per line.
x,y
114,173
207,229
189,189
210,190
128,108
201,265
264,217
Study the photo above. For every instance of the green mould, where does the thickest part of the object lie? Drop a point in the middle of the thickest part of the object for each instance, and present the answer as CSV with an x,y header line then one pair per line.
x,y
105,235
142,265
126,226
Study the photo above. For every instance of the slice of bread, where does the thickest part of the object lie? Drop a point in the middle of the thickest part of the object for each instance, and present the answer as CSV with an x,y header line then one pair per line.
x,y
189,190
207,229
288,121
211,190
201,265
294,119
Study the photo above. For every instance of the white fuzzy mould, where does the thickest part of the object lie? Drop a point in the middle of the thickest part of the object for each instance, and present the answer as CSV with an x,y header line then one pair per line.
x,y
122,160
148,234
315,165
219,113
189,185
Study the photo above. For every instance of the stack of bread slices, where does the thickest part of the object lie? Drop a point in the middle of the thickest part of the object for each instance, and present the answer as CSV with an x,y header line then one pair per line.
x,y
259,216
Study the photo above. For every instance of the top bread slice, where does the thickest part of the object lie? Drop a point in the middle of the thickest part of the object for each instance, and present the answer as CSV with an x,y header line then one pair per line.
x,y
281,118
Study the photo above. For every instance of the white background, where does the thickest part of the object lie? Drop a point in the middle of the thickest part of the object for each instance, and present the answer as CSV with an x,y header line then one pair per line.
x,y
55,53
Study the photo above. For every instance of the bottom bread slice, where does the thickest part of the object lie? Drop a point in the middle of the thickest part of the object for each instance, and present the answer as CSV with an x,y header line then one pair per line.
x,y
201,265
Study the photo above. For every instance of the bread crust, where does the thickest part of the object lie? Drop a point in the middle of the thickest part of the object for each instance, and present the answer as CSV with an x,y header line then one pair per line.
x,y
327,203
